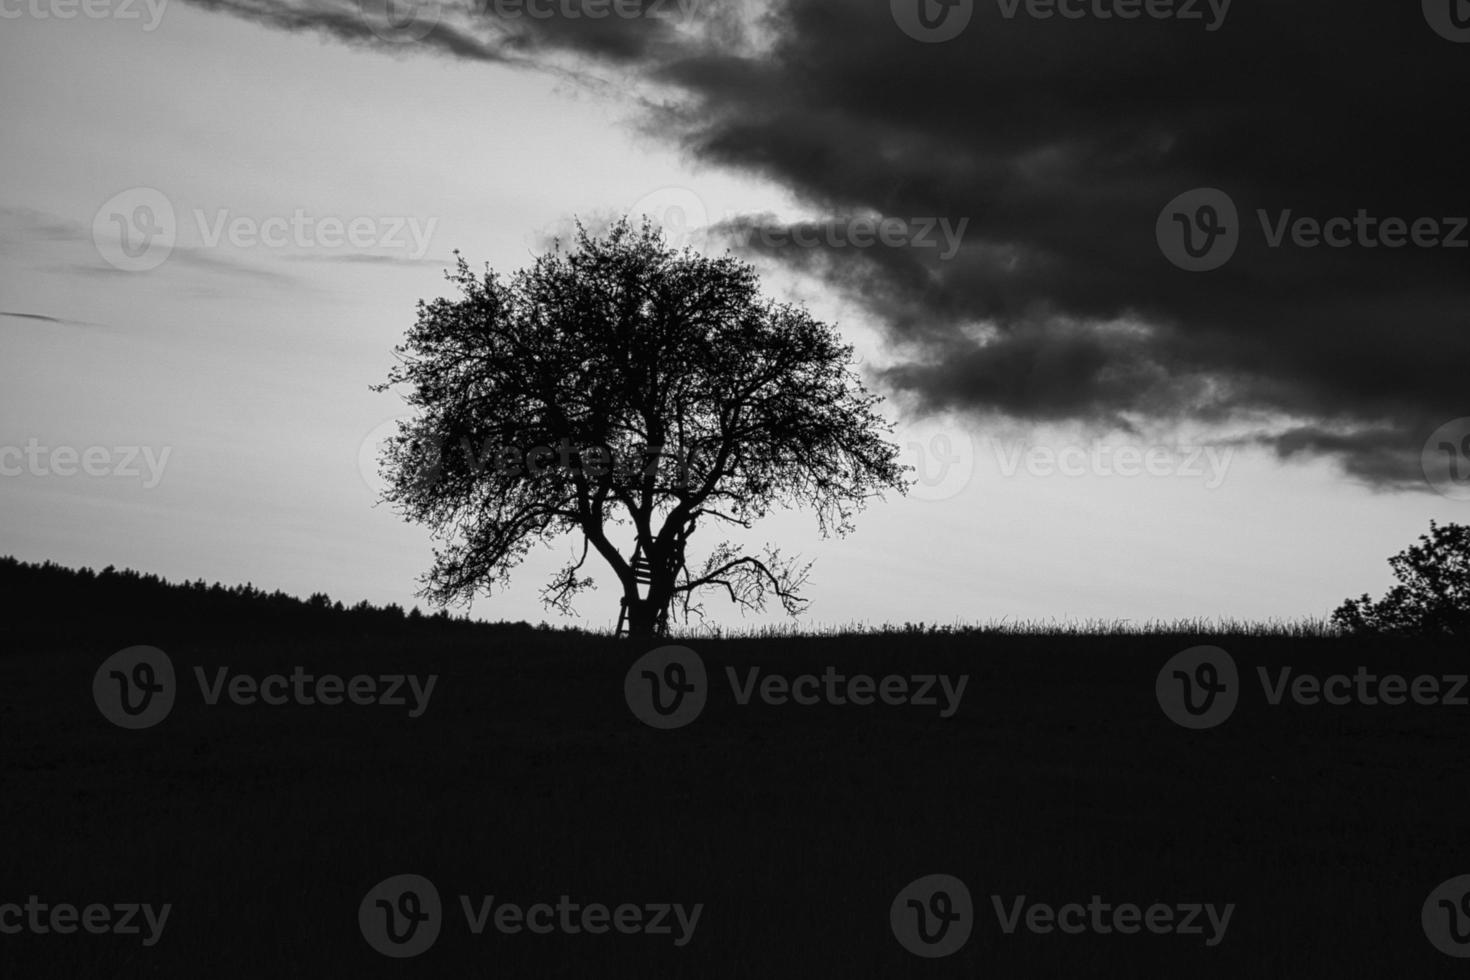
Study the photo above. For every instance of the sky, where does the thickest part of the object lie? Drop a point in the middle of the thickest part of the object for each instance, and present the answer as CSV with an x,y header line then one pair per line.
x,y
1170,311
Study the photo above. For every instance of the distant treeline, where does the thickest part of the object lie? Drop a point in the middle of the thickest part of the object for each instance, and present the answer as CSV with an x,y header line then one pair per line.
x,y
49,599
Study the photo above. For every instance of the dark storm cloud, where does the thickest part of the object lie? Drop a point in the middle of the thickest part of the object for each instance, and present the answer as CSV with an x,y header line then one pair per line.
x,y
1380,457
1061,141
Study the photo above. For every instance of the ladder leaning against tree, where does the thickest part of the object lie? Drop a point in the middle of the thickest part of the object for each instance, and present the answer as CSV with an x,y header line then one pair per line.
x,y
642,566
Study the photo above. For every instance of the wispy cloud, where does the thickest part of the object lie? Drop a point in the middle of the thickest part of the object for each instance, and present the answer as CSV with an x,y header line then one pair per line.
x,y
43,318
22,230
370,258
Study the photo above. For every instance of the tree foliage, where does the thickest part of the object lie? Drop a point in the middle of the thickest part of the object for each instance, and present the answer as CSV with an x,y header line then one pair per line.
x,y
627,394
1433,594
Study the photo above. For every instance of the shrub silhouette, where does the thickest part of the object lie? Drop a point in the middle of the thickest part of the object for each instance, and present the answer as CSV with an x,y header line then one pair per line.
x,y
1433,594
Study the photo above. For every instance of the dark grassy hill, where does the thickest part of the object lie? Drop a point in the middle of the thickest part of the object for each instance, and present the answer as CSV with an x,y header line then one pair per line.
x,y
528,777
50,600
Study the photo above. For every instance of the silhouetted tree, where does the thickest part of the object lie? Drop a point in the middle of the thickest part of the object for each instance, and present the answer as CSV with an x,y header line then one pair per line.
x,y
622,382
1433,594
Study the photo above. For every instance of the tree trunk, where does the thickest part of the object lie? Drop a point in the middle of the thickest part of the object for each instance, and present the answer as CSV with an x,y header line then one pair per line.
x,y
642,619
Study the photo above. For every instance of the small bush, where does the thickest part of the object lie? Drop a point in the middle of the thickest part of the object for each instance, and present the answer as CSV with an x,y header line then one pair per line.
x,y
1433,594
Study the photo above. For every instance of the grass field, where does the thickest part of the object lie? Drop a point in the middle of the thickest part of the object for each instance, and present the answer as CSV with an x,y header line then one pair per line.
x,y
528,777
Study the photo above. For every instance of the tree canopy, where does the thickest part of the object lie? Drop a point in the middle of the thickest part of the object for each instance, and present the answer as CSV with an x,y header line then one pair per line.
x,y
622,386
1433,594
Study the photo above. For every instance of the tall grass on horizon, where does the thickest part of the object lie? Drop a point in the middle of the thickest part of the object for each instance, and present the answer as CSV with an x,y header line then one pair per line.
x,y
1306,628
